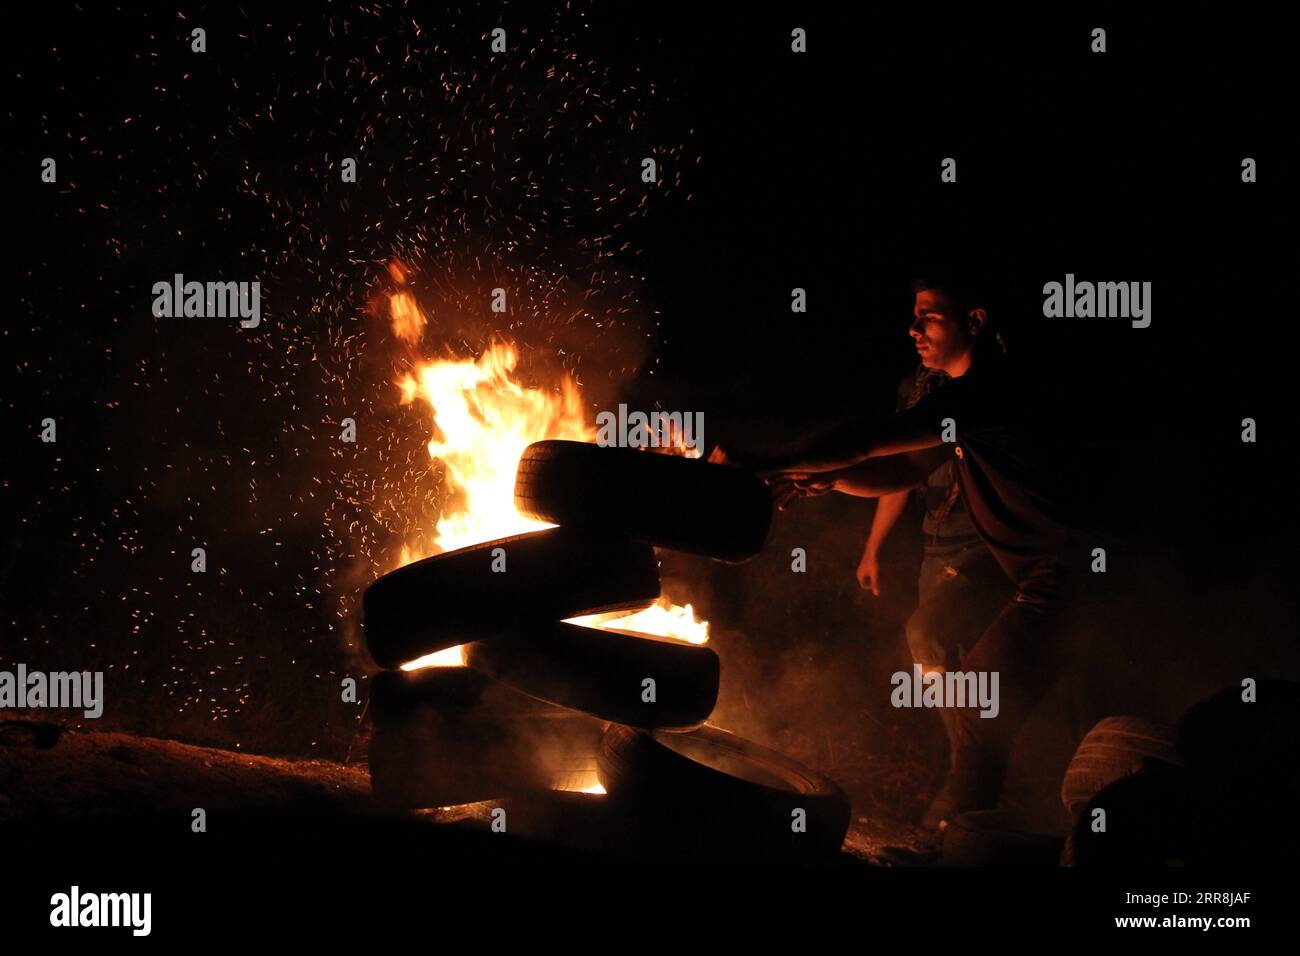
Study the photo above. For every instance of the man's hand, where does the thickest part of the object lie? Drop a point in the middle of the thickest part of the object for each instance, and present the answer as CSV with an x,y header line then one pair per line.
x,y
789,488
869,572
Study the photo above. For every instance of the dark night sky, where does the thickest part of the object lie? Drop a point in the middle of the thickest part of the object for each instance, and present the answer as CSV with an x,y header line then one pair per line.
x,y
778,171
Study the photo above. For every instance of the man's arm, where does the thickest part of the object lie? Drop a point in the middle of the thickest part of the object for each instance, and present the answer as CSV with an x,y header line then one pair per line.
x,y
887,475
873,478
888,510
856,442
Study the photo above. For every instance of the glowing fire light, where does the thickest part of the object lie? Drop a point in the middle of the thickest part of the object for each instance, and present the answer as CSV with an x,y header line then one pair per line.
x,y
665,621
450,657
408,320
579,781
482,422
486,420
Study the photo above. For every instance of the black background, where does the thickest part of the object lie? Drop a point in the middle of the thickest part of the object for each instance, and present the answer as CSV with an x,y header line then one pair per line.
x,y
777,170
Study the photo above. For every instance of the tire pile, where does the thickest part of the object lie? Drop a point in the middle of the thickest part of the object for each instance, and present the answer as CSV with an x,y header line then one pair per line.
x,y
543,701
1114,749
1215,791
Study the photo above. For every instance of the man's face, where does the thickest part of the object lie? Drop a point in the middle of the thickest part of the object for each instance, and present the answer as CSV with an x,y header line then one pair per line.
x,y
942,337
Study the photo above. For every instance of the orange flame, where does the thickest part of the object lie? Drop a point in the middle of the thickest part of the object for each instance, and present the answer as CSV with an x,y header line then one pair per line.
x,y
486,420
663,620
482,421
408,320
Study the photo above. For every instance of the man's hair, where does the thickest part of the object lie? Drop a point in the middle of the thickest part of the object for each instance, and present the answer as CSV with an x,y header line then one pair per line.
x,y
967,287
964,289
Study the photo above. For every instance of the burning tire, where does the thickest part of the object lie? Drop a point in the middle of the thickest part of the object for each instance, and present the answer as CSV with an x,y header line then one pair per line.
x,y
713,510
448,735
604,673
1114,748
717,796
476,593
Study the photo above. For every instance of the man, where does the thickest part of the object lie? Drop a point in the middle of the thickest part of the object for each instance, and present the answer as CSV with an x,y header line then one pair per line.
x,y
1010,472
960,587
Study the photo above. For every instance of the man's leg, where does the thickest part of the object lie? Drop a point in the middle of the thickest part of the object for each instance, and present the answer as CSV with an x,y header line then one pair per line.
x,y
1022,646
925,641
959,593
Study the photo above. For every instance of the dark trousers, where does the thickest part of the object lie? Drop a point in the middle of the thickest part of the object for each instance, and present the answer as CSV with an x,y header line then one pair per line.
x,y
1023,645
959,590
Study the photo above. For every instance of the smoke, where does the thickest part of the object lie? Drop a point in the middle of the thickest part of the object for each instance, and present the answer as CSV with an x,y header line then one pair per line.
x,y
806,655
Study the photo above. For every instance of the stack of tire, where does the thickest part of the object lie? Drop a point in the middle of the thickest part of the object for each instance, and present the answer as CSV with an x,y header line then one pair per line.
x,y
1118,758
542,698
1217,791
